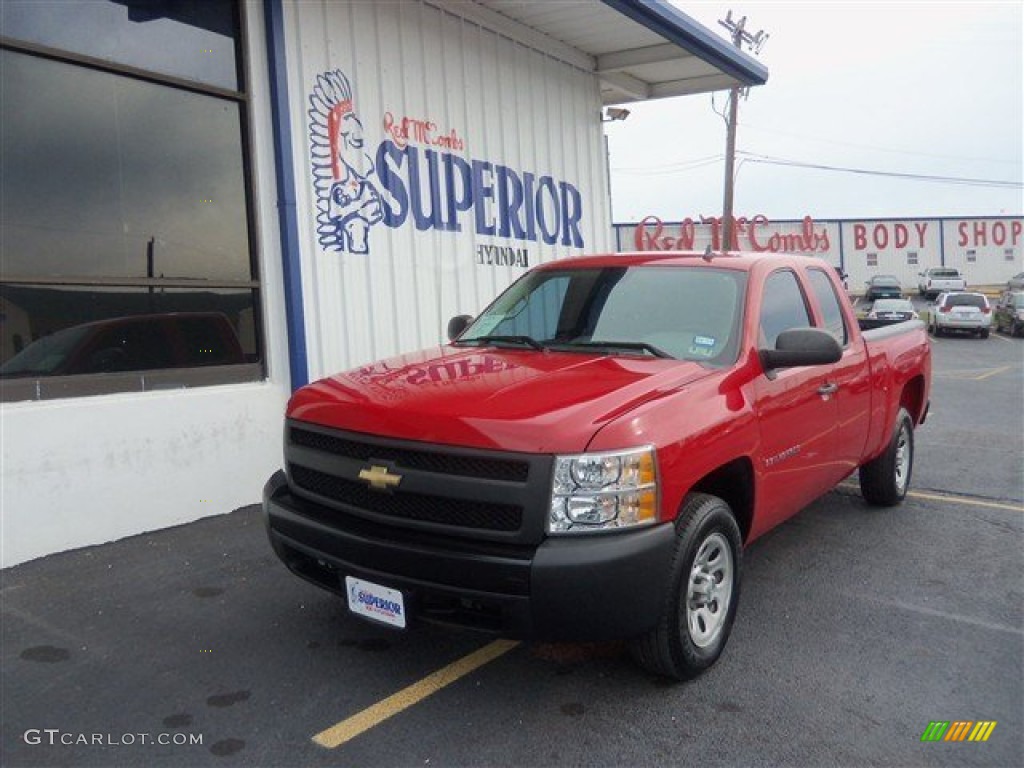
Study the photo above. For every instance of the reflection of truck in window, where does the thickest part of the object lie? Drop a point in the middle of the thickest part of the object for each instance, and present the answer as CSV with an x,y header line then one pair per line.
x,y
133,343
589,456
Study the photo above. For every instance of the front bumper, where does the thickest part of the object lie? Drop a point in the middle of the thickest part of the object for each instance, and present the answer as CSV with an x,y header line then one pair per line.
x,y
586,588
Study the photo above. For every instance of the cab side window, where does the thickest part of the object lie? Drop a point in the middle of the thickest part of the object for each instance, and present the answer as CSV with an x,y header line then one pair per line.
x,y
783,307
832,314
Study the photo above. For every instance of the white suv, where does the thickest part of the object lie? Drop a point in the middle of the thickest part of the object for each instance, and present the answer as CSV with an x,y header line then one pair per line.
x,y
960,311
936,280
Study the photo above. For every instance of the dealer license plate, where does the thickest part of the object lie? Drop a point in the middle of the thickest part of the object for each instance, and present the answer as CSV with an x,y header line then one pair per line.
x,y
375,602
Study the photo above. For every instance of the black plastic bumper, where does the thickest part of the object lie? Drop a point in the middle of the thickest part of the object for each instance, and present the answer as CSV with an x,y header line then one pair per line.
x,y
594,587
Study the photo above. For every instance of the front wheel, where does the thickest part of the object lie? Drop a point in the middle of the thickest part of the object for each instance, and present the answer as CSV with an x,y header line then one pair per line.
x,y
884,480
705,587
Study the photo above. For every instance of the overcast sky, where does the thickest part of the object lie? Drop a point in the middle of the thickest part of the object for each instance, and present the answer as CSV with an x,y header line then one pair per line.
x,y
929,88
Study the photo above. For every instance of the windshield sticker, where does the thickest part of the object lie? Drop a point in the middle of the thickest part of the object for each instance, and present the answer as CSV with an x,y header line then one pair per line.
x,y
703,341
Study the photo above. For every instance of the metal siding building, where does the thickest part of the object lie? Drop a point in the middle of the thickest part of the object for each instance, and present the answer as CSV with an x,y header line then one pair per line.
x,y
506,104
397,163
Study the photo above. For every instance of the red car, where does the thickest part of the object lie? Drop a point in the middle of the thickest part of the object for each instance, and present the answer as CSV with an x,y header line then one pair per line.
x,y
589,456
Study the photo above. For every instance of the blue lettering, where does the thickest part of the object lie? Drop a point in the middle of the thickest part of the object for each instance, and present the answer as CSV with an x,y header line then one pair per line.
x,y
424,220
550,236
505,203
482,192
380,603
531,227
389,164
510,201
456,202
572,211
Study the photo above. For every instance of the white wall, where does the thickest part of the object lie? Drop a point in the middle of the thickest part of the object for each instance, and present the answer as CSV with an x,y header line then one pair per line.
x,y
497,100
78,472
88,470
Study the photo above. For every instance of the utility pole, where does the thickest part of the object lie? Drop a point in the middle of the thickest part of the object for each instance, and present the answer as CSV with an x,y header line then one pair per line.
x,y
739,37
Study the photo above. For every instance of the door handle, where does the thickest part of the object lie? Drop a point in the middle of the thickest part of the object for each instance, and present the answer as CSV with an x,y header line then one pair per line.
x,y
828,389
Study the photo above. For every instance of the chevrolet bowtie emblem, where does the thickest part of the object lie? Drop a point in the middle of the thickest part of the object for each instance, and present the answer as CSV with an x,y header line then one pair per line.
x,y
379,478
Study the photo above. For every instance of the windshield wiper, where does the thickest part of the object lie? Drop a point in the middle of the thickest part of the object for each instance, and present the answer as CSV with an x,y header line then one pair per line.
x,y
527,341
641,346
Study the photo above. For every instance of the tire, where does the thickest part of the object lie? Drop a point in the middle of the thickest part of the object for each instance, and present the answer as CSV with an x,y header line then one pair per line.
x,y
704,591
884,480
984,333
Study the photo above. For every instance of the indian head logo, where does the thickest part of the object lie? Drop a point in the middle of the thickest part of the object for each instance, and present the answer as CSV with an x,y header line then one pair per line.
x,y
347,199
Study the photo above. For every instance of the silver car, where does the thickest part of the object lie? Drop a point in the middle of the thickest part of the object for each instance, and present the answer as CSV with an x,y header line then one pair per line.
x,y
960,311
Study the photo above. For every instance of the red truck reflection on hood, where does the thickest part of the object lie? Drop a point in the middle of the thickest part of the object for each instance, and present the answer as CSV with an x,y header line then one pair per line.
x,y
491,399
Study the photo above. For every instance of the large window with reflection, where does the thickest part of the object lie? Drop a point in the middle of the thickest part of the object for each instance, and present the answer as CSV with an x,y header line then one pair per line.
x,y
126,237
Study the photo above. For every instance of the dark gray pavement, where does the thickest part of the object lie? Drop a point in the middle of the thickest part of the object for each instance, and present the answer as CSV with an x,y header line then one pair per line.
x,y
856,628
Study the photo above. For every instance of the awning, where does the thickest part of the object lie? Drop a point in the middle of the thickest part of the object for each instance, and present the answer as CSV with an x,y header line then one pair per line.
x,y
639,49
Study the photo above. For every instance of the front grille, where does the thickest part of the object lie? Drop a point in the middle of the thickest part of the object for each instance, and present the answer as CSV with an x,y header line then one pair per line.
x,y
442,463
409,506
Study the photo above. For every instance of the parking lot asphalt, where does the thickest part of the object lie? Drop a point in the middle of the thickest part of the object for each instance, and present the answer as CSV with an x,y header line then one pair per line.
x,y
857,628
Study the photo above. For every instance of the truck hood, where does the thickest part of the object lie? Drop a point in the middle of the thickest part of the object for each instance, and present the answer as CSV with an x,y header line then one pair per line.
x,y
530,401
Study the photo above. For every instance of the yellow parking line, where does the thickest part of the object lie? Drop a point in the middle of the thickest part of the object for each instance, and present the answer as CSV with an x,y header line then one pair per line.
x,y
950,499
372,716
965,500
993,373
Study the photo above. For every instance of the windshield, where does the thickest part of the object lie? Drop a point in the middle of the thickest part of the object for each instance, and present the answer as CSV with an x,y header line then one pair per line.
x,y
966,300
44,355
667,311
1018,300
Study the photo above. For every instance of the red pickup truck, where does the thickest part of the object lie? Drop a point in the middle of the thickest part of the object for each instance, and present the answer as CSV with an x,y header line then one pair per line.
x,y
587,459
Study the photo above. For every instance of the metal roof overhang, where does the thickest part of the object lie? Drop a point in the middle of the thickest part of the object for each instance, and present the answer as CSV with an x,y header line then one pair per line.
x,y
638,49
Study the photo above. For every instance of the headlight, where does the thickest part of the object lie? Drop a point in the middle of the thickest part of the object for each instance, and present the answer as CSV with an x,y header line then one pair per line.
x,y
604,491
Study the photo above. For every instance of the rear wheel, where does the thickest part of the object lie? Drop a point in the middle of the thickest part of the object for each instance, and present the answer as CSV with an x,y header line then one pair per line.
x,y
884,480
701,604
984,333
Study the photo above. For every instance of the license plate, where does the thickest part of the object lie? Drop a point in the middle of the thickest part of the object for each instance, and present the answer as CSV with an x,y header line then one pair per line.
x,y
375,602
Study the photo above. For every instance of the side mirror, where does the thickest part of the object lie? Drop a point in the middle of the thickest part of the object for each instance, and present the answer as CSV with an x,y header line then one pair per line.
x,y
457,325
801,346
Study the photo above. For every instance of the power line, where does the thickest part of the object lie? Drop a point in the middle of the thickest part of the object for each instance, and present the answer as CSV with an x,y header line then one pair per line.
x,y
877,148
768,160
661,170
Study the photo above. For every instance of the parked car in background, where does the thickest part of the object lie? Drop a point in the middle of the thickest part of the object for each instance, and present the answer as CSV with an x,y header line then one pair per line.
x,y
132,343
883,287
886,312
1016,283
960,311
843,277
936,280
1009,313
